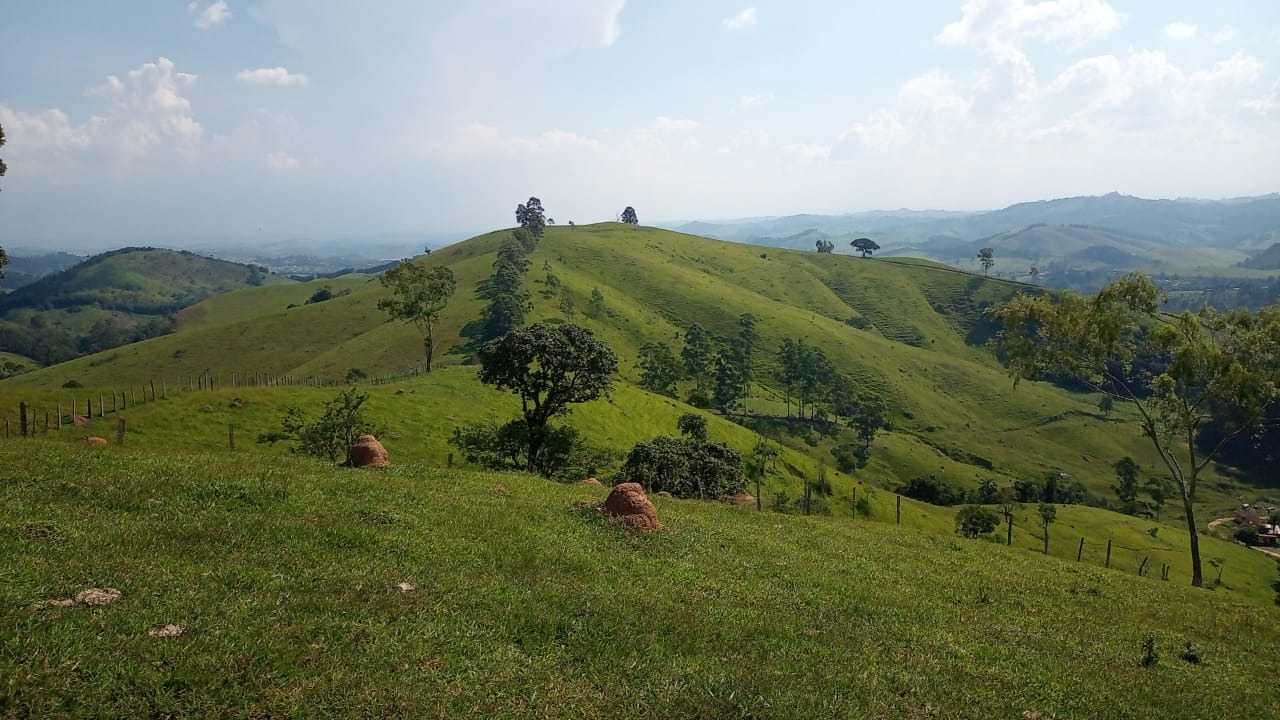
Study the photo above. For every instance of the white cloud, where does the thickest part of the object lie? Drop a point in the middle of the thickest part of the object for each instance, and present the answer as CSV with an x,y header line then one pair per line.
x,y
936,93
752,102
808,152
1180,31
996,23
1226,33
272,76
744,19
143,113
282,161
212,16
674,125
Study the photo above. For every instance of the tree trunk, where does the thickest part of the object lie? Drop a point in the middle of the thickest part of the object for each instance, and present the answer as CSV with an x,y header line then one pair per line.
x,y
428,344
1046,539
1197,575
535,445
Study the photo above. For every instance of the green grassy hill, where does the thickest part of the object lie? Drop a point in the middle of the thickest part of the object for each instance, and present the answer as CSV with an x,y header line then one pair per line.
x,y
113,298
955,412
285,580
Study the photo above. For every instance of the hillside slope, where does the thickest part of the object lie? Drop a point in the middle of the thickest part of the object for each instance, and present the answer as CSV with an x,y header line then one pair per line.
x,y
920,346
522,602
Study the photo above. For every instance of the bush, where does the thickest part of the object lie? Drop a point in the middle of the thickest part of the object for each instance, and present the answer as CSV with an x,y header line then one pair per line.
x,y
974,521
1247,534
324,293
72,384
332,434
684,468
562,455
930,489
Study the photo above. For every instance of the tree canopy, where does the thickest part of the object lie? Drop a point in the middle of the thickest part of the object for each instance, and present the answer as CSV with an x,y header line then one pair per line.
x,y
419,296
549,367
629,216
531,216
986,256
1220,368
866,246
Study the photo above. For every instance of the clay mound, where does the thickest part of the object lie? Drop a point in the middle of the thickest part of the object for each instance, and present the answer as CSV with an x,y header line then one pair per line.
x,y
236,403
592,481
400,391
206,408
368,453
664,493
98,596
94,441
166,631
743,499
628,504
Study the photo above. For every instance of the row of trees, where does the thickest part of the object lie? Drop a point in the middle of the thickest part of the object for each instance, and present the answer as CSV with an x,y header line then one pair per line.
x,y
865,246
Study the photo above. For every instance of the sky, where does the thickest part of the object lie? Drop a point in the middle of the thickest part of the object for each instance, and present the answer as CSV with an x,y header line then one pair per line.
x,y
172,120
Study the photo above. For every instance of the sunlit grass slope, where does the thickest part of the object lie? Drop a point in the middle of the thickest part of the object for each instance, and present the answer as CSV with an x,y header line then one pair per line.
x,y
956,414
284,577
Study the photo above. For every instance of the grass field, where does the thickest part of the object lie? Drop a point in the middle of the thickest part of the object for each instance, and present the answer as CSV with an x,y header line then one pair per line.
x,y
284,578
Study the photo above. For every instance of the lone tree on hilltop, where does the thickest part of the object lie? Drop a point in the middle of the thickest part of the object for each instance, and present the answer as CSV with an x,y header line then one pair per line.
x,y
986,256
1219,368
549,367
866,246
531,216
825,246
629,216
420,295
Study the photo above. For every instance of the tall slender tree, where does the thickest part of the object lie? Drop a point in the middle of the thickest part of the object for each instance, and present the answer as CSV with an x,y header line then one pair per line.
x,y
420,295
1223,368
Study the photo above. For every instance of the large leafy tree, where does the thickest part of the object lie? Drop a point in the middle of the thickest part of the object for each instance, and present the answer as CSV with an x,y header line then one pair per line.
x,y
697,354
866,246
1213,367
629,216
531,216
550,367
420,295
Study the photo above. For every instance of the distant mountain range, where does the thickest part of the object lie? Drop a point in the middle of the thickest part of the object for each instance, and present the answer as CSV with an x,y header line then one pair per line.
x,y
1106,229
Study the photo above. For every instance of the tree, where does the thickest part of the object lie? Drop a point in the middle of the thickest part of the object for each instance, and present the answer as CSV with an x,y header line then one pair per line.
x,y
1008,500
4,258
549,367
531,217
629,216
504,289
1106,404
987,492
866,246
732,378
1035,274
825,246
986,256
1048,514
868,418
973,521
659,368
1216,367
696,354
420,294
1158,489
692,426
1126,484
684,467
568,304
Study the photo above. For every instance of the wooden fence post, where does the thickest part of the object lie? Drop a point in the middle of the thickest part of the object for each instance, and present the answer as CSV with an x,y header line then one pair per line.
x,y
133,395
855,501
163,394
22,418
898,511
153,389
120,432
231,436
450,461
1081,550
1142,569
115,407
59,416
1108,554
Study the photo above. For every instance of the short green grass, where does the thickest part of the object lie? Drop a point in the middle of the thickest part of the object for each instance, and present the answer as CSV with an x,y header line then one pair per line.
x,y
284,577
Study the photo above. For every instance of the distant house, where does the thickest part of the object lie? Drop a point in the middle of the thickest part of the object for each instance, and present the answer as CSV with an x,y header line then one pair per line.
x,y
1247,515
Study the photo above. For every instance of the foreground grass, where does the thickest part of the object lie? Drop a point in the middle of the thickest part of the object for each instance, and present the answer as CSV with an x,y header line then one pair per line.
x,y
284,576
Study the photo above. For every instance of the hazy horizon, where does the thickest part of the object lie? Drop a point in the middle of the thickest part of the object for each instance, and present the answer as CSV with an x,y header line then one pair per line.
x,y
241,119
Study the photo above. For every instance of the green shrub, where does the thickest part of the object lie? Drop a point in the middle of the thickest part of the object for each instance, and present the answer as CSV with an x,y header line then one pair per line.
x,y
332,434
973,521
932,490
684,468
1247,534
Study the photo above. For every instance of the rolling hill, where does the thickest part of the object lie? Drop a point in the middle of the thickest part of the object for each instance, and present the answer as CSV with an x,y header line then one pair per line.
x,y
909,330
113,298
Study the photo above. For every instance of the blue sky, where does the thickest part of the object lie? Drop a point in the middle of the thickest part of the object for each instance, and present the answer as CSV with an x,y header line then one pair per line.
x,y
226,118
